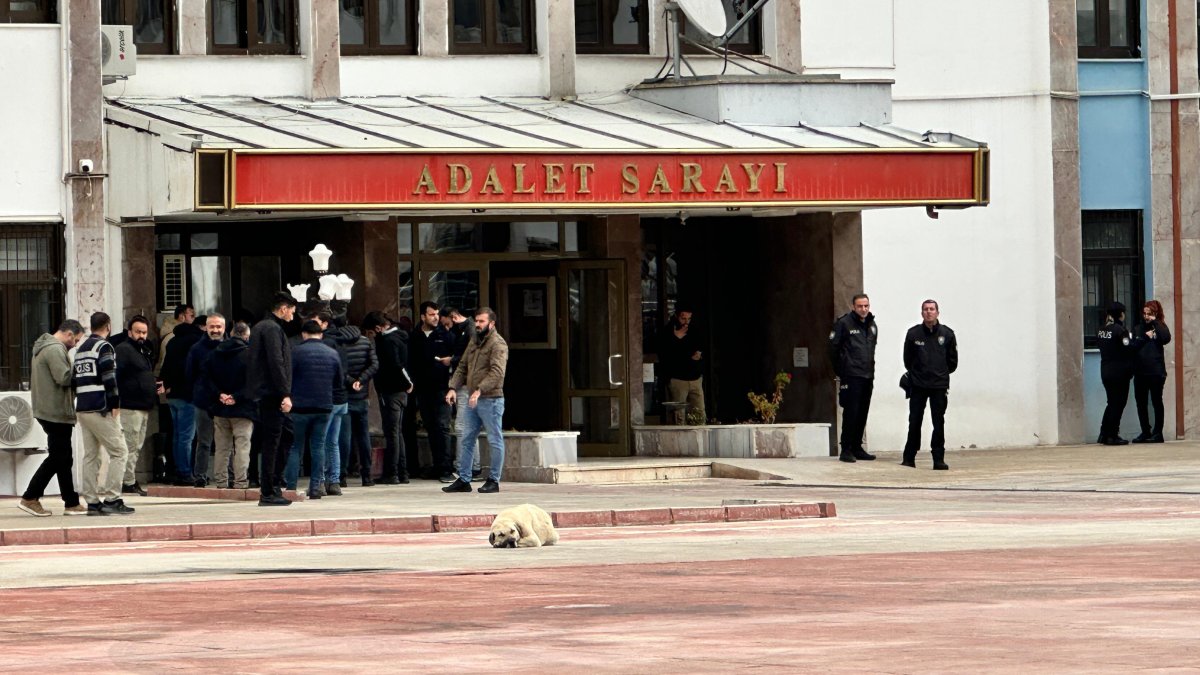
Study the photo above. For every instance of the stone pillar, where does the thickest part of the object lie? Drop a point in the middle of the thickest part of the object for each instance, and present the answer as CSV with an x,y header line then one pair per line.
x,y
434,27
86,260
788,52
1068,241
137,270
624,242
377,289
1189,163
191,38
557,45
321,47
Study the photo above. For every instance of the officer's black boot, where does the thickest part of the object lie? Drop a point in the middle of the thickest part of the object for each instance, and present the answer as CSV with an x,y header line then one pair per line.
x,y
939,460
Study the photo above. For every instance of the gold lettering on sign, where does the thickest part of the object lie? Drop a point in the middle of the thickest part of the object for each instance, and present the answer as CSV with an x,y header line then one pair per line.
x,y
725,182
554,175
492,180
426,182
753,171
521,188
581,174
659,184
629,180
460,179
779,175
691,178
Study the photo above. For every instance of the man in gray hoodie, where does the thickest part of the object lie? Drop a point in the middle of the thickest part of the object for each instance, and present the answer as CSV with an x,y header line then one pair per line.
x,y
54,409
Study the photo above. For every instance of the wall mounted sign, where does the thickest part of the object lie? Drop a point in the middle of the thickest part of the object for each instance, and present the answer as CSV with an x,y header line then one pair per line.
x,y
482,179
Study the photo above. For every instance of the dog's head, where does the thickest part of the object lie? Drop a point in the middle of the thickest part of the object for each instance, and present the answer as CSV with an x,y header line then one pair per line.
x,y
504,534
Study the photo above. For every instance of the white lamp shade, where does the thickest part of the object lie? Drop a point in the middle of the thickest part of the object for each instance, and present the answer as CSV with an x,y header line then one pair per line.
x,y
328,287
320,256
299,291
344,284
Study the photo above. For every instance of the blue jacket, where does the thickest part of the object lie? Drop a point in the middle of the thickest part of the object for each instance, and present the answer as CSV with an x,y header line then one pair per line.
x,y
316,370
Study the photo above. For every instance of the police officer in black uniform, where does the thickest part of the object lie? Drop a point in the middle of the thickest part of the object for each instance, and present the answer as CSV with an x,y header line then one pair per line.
x,y
930,355
1116,370
852,351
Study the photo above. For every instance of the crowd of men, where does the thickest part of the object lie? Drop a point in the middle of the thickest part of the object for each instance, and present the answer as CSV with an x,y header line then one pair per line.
x,y
283,389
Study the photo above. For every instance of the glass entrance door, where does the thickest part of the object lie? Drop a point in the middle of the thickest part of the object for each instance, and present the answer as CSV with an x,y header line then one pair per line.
x,y
593,347
462,285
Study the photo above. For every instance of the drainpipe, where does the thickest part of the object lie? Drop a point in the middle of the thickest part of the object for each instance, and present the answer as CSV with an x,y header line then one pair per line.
x,y
1176,218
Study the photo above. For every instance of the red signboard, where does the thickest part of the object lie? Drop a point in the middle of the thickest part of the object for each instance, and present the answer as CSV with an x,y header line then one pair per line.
x,y
597,179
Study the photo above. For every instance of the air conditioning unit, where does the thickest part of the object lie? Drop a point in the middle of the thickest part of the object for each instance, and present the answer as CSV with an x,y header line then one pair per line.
x,y
18,429
118,54
22,443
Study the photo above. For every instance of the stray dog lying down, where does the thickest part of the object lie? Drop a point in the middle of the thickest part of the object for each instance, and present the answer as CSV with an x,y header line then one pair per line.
x,y
523,526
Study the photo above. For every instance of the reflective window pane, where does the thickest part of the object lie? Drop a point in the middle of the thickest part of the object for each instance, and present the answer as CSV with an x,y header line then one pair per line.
x,y
261,279
405,308
587,21
574,233
530,237
167,242
1118,23
625,22
455,288
1085,22
24,254
510,25
35,320
149,26
204,241
110,12
447,237
272,22
393,22
597,419
468,21
211,284
225,22
353,22
404,238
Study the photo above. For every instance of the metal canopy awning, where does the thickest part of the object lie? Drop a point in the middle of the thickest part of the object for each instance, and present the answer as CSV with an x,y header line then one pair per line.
x,y
258,131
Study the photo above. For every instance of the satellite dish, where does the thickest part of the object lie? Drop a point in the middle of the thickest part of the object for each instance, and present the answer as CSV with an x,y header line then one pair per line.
x,y
707,15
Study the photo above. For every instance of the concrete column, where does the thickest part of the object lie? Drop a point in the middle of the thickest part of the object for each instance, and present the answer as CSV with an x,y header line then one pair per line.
x,y
86,290
319,43
1189,163
138,271
556,43
192,20
623,241
377,288
787,35
1068,240
433,24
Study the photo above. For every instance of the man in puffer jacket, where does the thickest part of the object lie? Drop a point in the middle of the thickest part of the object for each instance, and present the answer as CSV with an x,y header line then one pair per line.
x,y
360,364
316,370
233,411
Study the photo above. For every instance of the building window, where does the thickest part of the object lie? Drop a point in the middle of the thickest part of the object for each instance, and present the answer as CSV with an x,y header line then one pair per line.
x,y
612,27
378,26
748,39
31,295
153,27
1112,267
491,27
1108,29
28,11
252,27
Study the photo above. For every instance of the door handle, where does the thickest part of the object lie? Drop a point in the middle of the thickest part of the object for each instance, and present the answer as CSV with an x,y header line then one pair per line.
x,y
612,381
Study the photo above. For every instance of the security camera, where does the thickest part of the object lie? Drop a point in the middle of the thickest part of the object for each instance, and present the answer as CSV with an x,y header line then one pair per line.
x,y
85,166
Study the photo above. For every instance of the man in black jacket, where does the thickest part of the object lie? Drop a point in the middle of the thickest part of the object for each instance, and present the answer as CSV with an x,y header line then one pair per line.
x,y
852,351
430,349
461,330
393,386
139,394
681,352
232,410
203,394
179,397
1116,370
930,356
360,363
269,381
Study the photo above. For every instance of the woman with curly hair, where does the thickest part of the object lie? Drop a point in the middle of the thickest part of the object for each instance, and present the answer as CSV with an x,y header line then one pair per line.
x,y
1150,370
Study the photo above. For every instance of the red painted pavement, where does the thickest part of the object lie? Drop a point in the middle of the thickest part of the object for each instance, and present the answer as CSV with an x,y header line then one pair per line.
x,y
1071,609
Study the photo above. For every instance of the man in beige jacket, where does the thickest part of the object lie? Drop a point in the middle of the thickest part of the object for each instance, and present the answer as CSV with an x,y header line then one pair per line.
x,y
481,371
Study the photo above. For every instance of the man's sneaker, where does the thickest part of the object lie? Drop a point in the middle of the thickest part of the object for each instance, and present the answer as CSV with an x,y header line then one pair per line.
x,y
1143,438
847,457
343,482
367,482
1157,438
116,507
273,500
77,510
402,479
490,486
941,466
476,473
134,489
33,507
863,455
321,489
447,478
910,463
96,510
200,482
458,485
333,489
388,480
314,494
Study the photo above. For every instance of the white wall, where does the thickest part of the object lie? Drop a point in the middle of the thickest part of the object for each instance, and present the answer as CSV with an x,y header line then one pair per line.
x,y
31,122
165,76
990,268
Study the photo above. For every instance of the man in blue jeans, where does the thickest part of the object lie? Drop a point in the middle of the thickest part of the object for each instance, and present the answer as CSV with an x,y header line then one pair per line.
x,y
178,389
316,370
481,371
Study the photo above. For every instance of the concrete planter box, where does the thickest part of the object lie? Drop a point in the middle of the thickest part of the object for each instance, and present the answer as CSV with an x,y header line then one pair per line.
x,y
733,440
528,455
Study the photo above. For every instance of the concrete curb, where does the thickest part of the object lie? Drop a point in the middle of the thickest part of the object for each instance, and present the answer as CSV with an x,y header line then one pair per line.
x,y
405,524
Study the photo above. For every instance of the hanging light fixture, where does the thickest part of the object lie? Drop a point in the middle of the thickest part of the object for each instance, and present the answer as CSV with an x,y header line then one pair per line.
x,y
320,256
329,286
344,284
299,291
